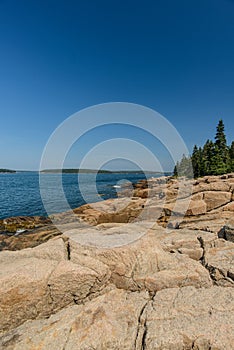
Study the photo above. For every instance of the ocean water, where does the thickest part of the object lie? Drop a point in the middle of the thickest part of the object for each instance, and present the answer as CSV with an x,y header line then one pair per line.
x,y
20,192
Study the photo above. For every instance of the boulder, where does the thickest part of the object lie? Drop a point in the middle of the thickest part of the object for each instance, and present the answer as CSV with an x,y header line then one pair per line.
x,y
120,210
36,282
216,199
143,264
186,241
24,293
185,207
217,186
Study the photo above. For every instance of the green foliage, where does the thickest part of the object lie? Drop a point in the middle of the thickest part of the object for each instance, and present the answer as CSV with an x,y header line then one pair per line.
x,y
175,172
222,158
214,158
184,167
231,151
231,156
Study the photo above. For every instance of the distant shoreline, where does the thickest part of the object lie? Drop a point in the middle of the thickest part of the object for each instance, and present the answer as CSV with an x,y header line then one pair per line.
x,y
86,171
4,171
94,171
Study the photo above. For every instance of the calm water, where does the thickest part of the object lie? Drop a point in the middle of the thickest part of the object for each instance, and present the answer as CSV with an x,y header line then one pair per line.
x,y
20,193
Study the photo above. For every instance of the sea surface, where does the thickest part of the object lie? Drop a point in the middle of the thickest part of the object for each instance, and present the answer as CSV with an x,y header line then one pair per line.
x,y
20,192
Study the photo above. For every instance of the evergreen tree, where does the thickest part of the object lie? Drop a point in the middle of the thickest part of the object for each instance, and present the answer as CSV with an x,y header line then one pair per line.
x,y
175,172
184,167
220,138
207,157
213,159
196,162
221,155
231,151
201,162
231,157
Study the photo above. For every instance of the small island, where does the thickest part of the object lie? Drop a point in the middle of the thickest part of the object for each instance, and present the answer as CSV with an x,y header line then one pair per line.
x,y
73,171
7,171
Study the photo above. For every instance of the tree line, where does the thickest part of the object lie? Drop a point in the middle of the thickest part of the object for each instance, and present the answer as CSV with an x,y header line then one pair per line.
x,y
214,158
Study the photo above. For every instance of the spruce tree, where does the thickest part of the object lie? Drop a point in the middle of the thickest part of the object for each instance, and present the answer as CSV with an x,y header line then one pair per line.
x,y
196,162
184,167
175,172
207,155
231,156
220,138
231,151
213,159
221,150
201,162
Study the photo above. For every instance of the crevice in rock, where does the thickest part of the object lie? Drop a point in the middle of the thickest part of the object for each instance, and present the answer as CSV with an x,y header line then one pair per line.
x,y
68,250
10,339
202,244
141,334
50,292
214,271
216,208
202,260
230,275
141,325
75,299
144,336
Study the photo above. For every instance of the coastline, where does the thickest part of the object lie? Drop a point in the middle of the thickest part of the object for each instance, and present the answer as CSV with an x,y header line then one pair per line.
x,y
162,194
161,280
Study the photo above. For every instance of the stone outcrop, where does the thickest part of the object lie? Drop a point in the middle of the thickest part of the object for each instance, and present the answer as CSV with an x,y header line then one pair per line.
x,y
11,225
176,318
161,282
206,204
187,318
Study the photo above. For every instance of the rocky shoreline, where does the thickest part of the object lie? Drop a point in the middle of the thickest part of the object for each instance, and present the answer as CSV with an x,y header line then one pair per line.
x,y
169,289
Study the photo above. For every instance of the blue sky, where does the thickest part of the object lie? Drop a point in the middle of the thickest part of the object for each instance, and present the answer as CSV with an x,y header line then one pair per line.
x,y
58,57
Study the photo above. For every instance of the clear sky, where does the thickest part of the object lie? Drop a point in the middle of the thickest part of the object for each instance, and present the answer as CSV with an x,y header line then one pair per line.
x,y
57,57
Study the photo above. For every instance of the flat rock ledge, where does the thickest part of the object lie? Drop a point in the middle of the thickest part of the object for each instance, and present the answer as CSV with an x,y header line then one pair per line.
x,y
166,290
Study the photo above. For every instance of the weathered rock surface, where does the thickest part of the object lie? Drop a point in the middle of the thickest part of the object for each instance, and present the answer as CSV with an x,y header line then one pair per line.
x,y
205,204
187,318
219,260
30,239
37,282
177,318
22,222
88,289
144,264
108,322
